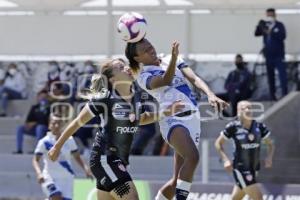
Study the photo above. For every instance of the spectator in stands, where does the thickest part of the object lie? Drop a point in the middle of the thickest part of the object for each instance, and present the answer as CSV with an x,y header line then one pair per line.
x,y
53,74
237,84
67,74
83,78
57,81
37,121
274,34
12,87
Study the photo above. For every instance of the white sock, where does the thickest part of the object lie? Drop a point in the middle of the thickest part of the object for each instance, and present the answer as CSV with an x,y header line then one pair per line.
x,y
183,185
160,196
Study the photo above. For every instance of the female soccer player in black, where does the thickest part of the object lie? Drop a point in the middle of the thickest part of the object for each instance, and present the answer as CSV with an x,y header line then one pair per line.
x,y
247,135
118,105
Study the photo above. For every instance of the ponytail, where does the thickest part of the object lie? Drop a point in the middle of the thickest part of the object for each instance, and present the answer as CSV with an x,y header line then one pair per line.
x,y
100,86
97,84
130,53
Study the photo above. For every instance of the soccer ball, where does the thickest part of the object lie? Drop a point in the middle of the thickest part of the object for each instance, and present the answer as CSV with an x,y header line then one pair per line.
x,y
132,27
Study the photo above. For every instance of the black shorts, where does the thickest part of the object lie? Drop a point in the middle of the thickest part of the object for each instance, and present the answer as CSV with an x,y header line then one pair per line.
x,y
110,171
244,178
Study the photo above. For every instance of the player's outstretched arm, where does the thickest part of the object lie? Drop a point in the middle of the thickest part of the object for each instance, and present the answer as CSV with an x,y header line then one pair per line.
x,y
219,147
201,85
150,117
83,117
167,77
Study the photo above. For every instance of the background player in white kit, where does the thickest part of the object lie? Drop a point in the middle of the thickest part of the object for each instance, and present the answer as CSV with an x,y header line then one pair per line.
x,y
57,178
166,81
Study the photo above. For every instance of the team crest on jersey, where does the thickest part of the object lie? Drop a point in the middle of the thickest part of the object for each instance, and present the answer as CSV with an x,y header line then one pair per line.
x,y
117,106
122,167
171,121
249,177
251,137
117,111
177,81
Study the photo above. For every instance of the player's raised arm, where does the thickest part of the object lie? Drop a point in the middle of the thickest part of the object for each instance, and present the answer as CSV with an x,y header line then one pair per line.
x,y
167,78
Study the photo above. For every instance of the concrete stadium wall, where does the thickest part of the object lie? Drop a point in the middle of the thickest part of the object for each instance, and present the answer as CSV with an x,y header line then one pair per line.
x,y
283,119
89,35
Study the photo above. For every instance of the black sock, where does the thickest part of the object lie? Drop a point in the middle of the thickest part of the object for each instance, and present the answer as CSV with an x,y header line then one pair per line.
x,y
182,189
181,194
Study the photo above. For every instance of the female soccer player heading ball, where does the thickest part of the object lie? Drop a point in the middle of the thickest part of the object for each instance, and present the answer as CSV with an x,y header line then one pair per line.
x,y
166,80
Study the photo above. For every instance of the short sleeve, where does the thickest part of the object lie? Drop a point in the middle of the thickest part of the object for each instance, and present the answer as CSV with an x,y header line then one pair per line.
x,y
73,146
229,130
144,80
265,132
181,63
97,106
40,148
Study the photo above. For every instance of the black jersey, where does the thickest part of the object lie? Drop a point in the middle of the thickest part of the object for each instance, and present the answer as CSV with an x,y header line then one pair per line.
x,y
121,122
247,143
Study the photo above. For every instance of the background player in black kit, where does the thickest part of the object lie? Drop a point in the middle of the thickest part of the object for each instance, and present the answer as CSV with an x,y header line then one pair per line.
x,y
247,135
118,104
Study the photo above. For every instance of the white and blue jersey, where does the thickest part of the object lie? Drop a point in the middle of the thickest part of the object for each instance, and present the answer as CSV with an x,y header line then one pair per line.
x,y
58,175
179,89
166,95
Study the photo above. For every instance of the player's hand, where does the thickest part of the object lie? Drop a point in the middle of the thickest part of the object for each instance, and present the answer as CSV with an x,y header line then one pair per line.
x,y
175,107
228,166
268,162
175,50
40,179
217,103
53,153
